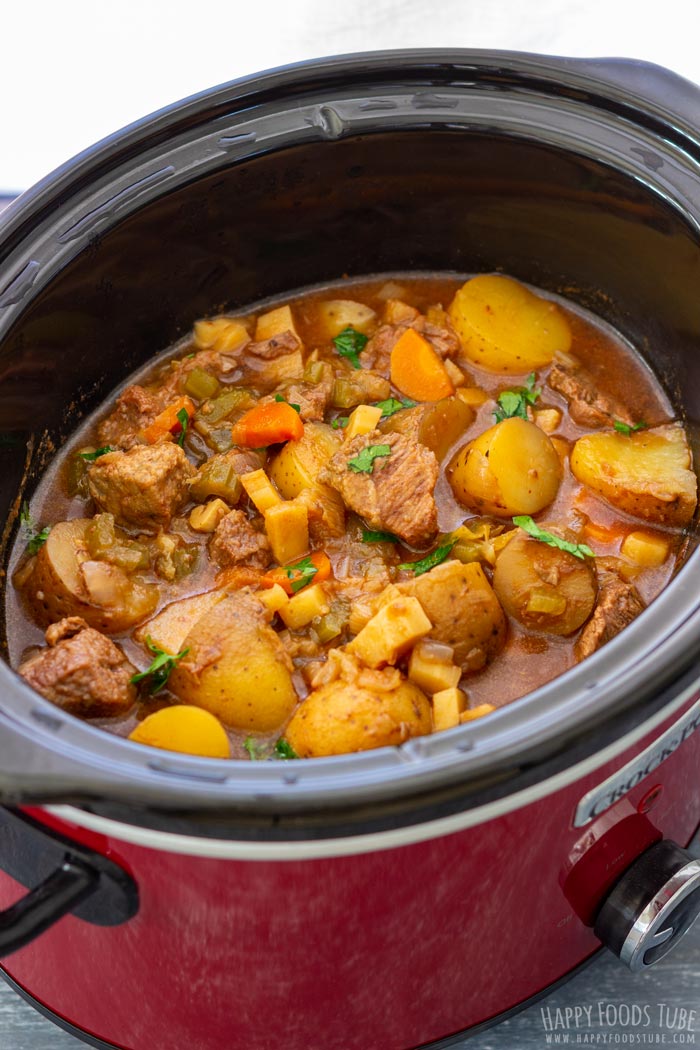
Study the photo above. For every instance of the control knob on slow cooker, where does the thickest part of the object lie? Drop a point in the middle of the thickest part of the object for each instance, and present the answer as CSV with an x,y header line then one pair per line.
x,y
652,906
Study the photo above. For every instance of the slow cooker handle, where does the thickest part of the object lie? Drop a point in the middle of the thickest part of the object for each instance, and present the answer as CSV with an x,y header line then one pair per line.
x,y
652,906
74,879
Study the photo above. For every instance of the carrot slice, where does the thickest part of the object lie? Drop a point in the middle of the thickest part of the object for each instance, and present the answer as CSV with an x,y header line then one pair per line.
x,y
166,422
417,371
267,424
290,577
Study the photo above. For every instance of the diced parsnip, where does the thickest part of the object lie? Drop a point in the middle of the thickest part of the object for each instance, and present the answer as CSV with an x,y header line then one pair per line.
x,y
391,632
398,312
208,517
362,421
645,548
260,490
287,527
274,598
456,374
448,705
279,369
305,606
476,712
547,419
222,333
431,667
274,323
473,396
171,626
336,314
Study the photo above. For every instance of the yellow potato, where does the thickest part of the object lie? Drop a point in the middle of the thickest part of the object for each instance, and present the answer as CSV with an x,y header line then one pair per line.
x,y
464,611
343,717
512,468
66,581
336,314
505,328
186,729
543,587
295,470
237,667
646,474
437,425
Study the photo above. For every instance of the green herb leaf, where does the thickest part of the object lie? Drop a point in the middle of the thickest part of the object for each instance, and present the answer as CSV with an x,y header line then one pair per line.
x,y
278,397
340,422
300,574
283,749
160,668
430,560
90,456
36,538
514,402
368,536
364,462
628,428
257,749
349,343
392,405
184,421
579,550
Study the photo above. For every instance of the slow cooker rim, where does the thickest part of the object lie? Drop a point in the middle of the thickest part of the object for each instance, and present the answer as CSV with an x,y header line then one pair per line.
x,y
31,207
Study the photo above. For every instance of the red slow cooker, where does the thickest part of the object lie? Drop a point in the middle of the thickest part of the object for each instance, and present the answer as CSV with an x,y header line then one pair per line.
x,y
399,897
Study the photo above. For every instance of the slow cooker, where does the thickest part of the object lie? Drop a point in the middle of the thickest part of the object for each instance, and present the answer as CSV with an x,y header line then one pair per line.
x,y
399,897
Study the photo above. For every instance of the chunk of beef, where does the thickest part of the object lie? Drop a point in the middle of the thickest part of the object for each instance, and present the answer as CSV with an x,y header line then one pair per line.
x,y
618,604
397,495
237,542
145,486
136,407
81,671
587,405
276,346
377,353
312,398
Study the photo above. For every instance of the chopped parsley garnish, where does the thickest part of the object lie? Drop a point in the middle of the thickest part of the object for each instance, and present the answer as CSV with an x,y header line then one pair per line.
x,y
392,405
628,428
364,462
36,538
349,343
278,397
257,749
430,560
160,668
368,536
283,749
184,421
514,402
340,422
300,574
579,550
90,456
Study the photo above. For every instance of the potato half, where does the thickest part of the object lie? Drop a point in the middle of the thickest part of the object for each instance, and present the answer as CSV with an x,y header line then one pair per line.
x,y
646,474
512,468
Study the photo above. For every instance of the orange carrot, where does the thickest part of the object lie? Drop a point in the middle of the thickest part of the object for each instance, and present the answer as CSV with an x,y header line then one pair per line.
x,y
295,576
167,422
417,371
267,424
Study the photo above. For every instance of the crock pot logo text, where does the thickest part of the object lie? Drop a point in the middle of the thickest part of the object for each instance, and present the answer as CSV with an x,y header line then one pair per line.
x,y
619,784
609,1023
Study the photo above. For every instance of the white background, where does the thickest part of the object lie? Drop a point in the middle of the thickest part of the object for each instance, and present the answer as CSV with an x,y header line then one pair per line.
x,y
73,71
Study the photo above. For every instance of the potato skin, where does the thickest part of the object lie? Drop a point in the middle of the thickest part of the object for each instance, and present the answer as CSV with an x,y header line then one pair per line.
x,y
237,668
527,569
342,717
646,474
506,328
56,588
295,469
512,468
464,610
437,425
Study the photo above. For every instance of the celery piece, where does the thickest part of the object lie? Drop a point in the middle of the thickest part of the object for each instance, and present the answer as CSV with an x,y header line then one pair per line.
x,y
234,399
216,477
201,384
100,535
313,373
